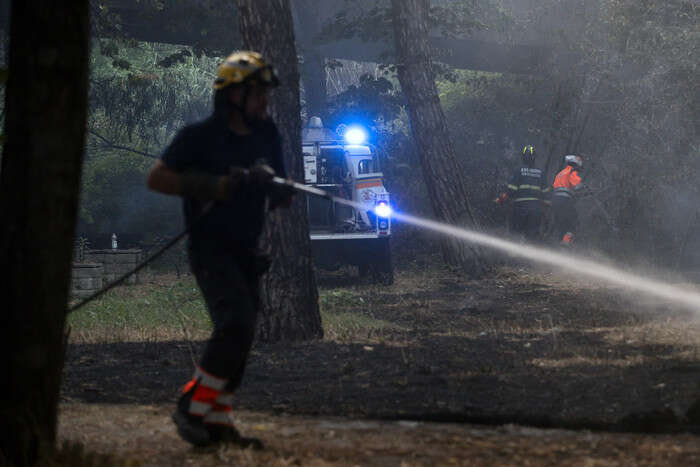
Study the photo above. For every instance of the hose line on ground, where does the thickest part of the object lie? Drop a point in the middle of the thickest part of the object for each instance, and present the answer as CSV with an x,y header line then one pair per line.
x,y
125,276
207,209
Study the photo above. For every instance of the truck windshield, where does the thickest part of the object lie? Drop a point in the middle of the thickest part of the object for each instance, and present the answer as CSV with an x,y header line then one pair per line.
x,y
333,153
366,166
333,165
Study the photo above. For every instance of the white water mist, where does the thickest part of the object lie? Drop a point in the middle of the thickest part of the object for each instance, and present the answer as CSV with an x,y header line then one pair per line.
x,y
571,263
577,264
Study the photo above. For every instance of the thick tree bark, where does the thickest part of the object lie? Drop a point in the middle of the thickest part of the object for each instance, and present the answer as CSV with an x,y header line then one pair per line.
x,y
314,80
441,171
289,295
46,102
313,69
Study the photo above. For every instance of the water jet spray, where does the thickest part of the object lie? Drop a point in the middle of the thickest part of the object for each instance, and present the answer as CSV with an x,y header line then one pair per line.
x,y
568,262
579,265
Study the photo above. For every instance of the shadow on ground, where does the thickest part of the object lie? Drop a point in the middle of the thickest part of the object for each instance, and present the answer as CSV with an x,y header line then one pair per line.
x,y
493,351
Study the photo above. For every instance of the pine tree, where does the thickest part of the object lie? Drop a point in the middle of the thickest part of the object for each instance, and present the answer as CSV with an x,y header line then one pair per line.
x,y
45,114
289,295
441,172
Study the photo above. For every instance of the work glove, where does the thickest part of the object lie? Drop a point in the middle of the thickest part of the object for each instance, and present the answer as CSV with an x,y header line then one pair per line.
x,y
502,198
260,175
281,196
205,186
257,177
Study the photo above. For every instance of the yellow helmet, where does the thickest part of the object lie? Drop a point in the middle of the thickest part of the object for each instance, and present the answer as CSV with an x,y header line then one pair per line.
x,y
244,67
529,151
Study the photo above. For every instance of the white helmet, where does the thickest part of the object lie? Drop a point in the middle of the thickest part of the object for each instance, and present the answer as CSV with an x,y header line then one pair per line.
x,y
574,160
315,122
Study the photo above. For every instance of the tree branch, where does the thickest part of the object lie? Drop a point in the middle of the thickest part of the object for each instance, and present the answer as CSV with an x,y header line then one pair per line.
x,y
110,145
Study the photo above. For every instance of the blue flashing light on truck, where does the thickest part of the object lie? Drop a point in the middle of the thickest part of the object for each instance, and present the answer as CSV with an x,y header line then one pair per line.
x,y
344,164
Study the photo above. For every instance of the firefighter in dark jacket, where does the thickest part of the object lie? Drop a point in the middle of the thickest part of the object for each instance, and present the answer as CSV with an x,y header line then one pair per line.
x,y
223,168
527,189
566,186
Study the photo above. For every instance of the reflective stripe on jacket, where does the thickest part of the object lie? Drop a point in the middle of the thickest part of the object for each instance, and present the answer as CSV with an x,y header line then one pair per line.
x,y
567,182
527,184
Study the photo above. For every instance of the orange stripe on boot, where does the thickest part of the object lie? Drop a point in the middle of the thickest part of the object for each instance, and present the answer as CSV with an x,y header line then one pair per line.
x,y
189,385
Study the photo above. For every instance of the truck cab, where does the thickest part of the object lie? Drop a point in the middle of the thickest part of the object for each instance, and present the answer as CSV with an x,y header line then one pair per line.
x,y
345,165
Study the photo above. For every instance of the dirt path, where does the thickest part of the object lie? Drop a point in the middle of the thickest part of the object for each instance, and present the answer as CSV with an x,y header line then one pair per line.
x,y
516,347
144,433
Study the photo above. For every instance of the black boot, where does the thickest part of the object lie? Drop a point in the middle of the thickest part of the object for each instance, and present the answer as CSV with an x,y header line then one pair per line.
x,y
190,427
228,434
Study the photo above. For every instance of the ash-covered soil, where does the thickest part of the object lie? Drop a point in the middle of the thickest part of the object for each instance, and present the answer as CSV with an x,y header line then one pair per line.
x,y
144,434
523,347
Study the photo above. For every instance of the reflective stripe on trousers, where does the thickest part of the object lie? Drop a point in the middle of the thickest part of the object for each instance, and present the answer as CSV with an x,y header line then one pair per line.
x,y
563,192
208,399
219,415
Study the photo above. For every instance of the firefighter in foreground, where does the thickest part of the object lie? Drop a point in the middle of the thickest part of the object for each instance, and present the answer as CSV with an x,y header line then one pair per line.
x,y
223,167
527,189
565,188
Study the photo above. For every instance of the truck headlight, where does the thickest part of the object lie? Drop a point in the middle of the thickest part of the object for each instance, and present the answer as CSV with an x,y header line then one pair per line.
x,y
382,209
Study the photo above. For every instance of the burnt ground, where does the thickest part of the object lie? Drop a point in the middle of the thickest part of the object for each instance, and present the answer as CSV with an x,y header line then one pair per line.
x,y
516,347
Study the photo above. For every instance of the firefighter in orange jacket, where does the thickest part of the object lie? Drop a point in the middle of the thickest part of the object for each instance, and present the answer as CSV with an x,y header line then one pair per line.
x,y
566,185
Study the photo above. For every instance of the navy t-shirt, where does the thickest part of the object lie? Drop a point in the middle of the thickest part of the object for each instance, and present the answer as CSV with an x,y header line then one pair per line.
x,y
211,147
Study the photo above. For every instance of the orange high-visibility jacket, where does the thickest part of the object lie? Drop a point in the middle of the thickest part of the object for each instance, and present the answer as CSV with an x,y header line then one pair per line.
x,y
567,182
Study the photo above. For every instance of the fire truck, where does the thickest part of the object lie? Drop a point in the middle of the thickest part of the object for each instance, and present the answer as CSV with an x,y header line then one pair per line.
x,y
344,164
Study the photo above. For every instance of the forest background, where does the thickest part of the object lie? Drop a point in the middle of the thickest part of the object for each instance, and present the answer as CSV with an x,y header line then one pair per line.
x,y
619,87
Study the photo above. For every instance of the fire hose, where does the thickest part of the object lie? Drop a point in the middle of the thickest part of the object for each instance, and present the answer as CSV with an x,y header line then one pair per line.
x,y
298,187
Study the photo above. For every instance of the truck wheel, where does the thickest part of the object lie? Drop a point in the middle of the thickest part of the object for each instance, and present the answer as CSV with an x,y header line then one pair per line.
x,y
364,269
383,270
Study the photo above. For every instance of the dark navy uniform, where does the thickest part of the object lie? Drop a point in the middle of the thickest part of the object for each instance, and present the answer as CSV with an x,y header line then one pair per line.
x,y
223,243
526,191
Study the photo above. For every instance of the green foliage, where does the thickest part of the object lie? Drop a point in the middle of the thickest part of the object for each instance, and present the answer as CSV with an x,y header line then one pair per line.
x,y
376,103
140,95
156,310
491,116
651,64
626,98
371,20
373,99
121,63
115,198
621,89
145,98
168,308
345,316
175,58
366,20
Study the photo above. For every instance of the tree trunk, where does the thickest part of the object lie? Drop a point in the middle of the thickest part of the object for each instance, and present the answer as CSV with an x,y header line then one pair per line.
x,y
289,295
314,80
313,69
46,105
443,177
